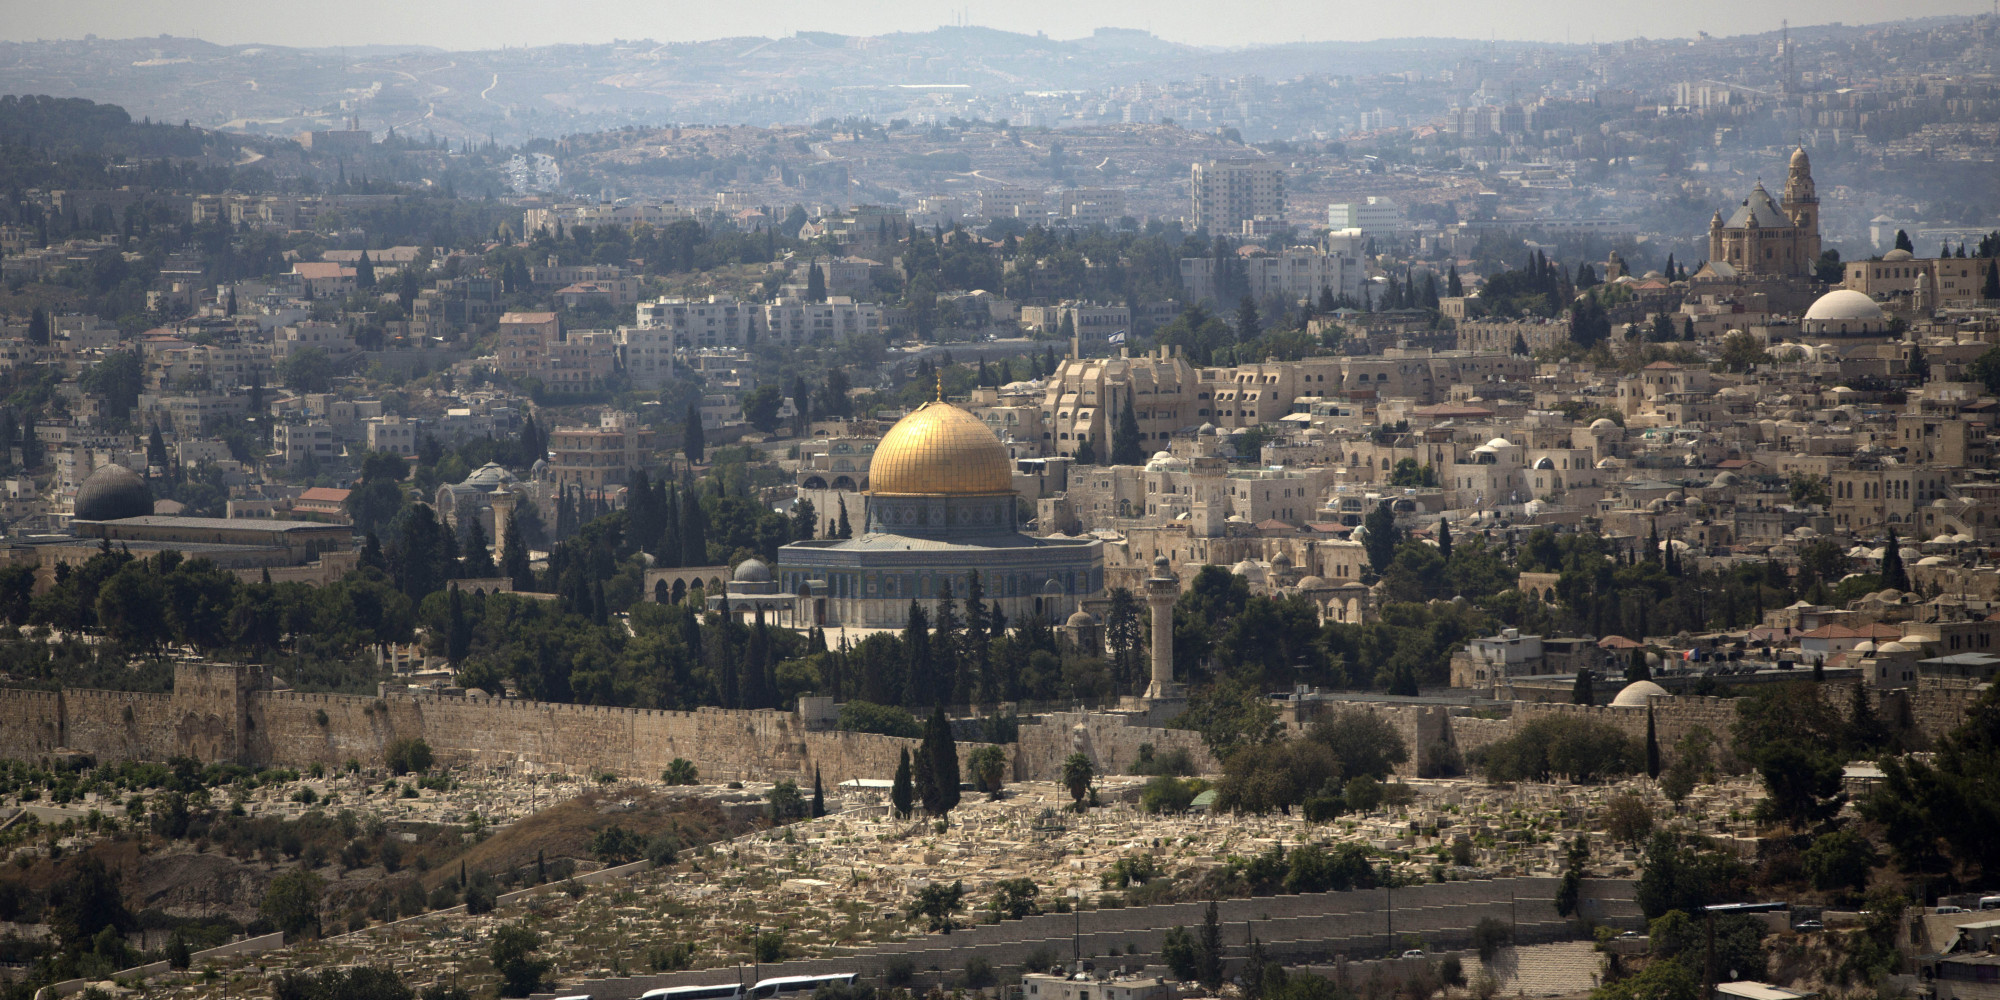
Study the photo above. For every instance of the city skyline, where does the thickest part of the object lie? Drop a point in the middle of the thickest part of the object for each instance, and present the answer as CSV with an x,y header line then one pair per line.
x,y
458,25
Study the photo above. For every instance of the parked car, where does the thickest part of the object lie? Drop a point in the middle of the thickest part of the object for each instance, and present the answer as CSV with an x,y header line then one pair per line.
x,y
1414,953
1808,926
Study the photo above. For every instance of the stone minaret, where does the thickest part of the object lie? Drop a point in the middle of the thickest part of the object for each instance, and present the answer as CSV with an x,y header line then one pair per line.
x,y
1161,591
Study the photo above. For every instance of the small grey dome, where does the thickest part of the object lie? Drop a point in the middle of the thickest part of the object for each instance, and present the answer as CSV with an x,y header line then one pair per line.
x,y
111,493
752,571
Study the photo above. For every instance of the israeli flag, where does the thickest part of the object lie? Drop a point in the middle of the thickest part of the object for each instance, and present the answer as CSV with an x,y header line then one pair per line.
x,y
1116,338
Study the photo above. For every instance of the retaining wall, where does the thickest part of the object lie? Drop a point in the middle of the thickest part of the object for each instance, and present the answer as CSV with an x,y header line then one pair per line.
x,y
1309,926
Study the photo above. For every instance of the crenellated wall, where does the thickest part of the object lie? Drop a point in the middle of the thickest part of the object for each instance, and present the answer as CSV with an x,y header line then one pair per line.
x,y
119,725
221,712
31,722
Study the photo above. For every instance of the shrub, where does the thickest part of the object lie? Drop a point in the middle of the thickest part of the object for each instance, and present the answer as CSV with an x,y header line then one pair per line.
x,y
1167,794
1584,750
771,947
978,972
1489,936
615,845
483,895
672,957
679,772
898,972
882,720
1451,971
663,849
407,755
1041,959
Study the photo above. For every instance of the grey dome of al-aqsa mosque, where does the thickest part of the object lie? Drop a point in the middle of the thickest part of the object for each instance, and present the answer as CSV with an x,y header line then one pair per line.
x,y
111,493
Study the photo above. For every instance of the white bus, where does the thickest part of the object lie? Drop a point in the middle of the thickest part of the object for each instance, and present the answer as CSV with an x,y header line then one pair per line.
x,y
792,986
720,991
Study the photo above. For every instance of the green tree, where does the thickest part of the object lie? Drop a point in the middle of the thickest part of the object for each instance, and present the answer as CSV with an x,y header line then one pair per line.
x,y
1903,242
943,753
902,795
1014,898
936,903
1209,953
512,953
1657,981
1894,576
1126,448
988,765
1840,861
1077,774
691,435
292,902
1179,952
307,369
1379,536
1569,891
761,407
787,803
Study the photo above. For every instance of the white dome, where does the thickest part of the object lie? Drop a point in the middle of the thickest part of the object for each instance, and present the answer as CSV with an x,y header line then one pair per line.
x,y
1865,646
1899,254
1499,443
1892,647
1933,561
1603,424
1634,695
1844,303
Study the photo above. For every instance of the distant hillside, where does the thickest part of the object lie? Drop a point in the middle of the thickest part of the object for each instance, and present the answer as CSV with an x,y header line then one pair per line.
x,y
68,126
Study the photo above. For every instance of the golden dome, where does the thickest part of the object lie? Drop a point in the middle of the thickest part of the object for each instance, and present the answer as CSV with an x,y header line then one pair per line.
x,y
940,450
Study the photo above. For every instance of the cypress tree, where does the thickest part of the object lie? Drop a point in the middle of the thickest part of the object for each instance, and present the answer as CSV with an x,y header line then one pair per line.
x,y
1453,285
943,751
1894,576
692,443
1652,745
1583,692
901,792
819,796
1444,539
514,556
1637,669
843,529
1125,446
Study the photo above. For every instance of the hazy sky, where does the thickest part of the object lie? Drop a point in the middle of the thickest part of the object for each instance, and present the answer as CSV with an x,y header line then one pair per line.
x,y
472,24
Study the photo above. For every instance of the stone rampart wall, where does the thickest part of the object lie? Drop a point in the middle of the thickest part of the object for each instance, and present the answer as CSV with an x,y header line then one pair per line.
x,y
1110,743
31,722
119,725
301,729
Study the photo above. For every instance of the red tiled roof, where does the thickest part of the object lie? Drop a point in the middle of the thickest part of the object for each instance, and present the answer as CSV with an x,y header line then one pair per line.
x,y
1616,642
324,494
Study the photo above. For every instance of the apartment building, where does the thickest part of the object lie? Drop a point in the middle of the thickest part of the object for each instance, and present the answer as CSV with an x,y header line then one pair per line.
x,y
600,456
1228,192
1296,273
295,445
1085,397
523,341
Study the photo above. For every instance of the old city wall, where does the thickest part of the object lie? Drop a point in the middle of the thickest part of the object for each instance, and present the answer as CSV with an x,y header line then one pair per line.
x,y
119,725
302,729
1107,739
31,722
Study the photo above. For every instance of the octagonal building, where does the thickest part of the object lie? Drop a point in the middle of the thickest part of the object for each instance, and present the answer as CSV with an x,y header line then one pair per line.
x,y
941,505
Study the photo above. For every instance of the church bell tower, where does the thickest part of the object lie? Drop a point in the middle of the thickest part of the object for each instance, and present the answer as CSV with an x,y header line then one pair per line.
x,y
1802,205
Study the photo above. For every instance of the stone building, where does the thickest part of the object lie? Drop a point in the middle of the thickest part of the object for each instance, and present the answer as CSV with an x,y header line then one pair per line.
x,y
1766,237
941,504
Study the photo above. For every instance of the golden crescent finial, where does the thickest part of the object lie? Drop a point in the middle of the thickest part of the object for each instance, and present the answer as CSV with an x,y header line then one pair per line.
x,y
940,385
